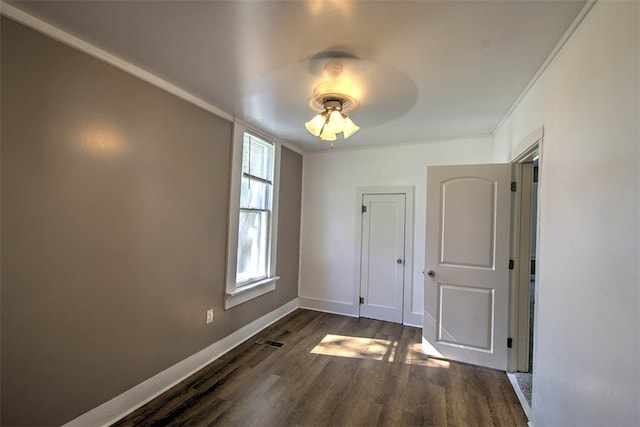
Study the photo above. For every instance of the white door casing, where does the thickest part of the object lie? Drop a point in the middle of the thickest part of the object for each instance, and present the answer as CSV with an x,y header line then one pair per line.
x,y
467,255
382,261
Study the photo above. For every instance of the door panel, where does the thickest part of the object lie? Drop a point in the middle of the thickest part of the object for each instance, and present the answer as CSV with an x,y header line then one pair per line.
x,y
467,202
455,329
467,248
382,277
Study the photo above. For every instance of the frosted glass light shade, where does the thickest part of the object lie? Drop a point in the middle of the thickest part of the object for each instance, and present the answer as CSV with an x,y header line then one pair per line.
x,y
315,125
349,128
327,134
336,121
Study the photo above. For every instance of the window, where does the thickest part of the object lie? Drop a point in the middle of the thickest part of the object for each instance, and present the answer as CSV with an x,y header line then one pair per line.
x,y
252,217
256,191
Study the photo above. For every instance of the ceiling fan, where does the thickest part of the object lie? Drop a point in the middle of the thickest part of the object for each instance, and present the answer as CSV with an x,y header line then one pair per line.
x,y
334,98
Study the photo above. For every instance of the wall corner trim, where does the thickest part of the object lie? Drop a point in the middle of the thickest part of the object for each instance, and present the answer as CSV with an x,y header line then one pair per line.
x,y
132,399
56,33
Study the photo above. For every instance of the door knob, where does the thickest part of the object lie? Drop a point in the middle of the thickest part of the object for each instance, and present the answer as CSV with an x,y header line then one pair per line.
x,y
431,273
399,261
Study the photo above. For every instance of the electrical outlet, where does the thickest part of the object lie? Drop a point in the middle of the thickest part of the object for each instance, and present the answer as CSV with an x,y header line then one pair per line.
x,y
209,316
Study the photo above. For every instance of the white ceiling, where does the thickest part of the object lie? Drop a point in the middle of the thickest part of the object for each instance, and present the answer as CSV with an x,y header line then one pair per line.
x,y
427,70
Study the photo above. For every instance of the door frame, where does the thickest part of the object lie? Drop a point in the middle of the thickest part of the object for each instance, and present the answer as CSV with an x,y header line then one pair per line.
x,y
408,192
525,152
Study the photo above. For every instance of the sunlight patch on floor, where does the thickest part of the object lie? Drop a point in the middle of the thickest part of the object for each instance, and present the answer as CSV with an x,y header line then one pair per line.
x,y
356,347
417,356
375,349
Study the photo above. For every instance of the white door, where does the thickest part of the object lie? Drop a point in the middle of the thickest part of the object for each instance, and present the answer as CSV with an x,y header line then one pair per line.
x,y
382,256
467,263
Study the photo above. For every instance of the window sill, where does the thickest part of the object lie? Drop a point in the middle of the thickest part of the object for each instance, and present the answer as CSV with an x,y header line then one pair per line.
x,y
249,292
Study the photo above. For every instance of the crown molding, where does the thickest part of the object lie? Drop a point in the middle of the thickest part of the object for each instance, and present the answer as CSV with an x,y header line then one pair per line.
x,y
567,35
269,136
56,33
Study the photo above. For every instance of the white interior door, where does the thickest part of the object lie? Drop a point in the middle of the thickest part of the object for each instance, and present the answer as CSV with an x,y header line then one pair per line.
x,y
382,257
467,263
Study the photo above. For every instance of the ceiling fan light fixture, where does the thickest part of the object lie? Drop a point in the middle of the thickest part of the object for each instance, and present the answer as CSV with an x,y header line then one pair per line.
x,y
314,126
327,134
332,120
349,128
336,121
333,97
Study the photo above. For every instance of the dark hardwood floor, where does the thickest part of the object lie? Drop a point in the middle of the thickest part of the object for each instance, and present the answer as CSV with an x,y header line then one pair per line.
x,y
334,371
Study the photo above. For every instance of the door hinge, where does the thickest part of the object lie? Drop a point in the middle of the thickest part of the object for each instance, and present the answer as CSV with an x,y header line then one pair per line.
x,y
509,342
364,209
511,264
361,300
514,186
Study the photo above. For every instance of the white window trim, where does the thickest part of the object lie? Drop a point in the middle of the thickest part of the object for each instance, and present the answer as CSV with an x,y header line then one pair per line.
x,y
235,296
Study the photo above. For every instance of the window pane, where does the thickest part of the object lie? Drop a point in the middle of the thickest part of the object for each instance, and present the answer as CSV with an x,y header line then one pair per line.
x,y
257,157
253,235
255,194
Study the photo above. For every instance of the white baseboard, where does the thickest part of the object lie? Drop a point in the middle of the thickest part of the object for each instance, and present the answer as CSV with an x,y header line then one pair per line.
x,y
327,306
346,309
127,402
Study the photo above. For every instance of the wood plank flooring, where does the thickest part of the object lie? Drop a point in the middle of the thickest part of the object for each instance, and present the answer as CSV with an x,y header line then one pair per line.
x,y
334,371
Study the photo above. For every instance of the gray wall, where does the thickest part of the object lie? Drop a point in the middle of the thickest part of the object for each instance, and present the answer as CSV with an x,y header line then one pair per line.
x,y
114,222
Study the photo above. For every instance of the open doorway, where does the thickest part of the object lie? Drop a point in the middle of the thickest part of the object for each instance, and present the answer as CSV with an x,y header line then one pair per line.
x,y
534,242
524,278
527,284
